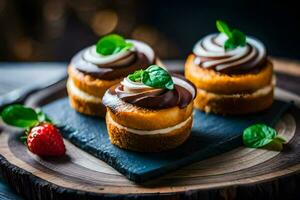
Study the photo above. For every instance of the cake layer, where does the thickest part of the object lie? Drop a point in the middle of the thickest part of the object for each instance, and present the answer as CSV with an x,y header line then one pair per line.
x,y
72,88
135,117
235,103
83,102
215,82
146,141
260,92
90,84
149,132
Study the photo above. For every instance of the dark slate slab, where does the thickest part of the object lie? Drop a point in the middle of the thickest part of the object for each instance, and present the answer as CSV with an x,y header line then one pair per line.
x,y
211,135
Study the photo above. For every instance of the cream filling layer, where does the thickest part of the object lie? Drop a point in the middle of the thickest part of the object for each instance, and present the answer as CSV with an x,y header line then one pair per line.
x,y
152,132
81,94
260,92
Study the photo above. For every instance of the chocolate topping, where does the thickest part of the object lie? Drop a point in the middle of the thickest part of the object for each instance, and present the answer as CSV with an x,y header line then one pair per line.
x,y
210,54
109,73
156,98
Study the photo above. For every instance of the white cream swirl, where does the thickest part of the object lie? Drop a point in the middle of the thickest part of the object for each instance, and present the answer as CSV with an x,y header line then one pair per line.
x,y
139,87
211,54
179,80
147,97
121,58
134,87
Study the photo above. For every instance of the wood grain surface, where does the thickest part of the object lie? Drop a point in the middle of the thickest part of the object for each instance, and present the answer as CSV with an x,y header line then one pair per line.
x,y
242,173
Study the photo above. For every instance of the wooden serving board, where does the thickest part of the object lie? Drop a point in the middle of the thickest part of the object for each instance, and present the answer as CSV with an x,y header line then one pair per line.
x,y
242,173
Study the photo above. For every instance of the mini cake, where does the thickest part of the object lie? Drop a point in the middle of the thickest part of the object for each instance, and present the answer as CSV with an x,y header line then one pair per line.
x,y
96,68
150,110
231,72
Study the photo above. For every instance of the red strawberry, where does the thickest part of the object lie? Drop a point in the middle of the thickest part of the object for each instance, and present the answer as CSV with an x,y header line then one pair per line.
x,y
46,140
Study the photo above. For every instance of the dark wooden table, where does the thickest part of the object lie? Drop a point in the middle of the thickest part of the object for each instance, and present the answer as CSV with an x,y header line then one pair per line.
x,y
17,81
285,179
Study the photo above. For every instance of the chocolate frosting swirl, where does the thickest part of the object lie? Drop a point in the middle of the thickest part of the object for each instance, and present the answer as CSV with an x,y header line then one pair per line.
x,y
210,54
182,94
114,66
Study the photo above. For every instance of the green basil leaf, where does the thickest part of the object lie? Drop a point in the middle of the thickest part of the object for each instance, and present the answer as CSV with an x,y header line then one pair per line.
x,y
156,77
223,28
128,46
112,44
24,139
235,37
239,37
136,76
275,145
258,135
261,135
280,139
19,116
230,44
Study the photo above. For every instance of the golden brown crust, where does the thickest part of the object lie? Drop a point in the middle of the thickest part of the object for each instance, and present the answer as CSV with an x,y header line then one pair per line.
x,y
122,138
233,105
146,119
86,107
89,84
215,82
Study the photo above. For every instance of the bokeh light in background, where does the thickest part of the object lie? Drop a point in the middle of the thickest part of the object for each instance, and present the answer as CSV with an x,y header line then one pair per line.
x,y
2,6
104,22
54,30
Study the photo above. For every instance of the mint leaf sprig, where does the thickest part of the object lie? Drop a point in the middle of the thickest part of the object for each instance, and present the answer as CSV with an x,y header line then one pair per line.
x,y
23,117
154,76
262,136
112,44
235,37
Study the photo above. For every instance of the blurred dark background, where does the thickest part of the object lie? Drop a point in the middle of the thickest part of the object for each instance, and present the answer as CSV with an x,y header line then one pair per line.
x,y
53,30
